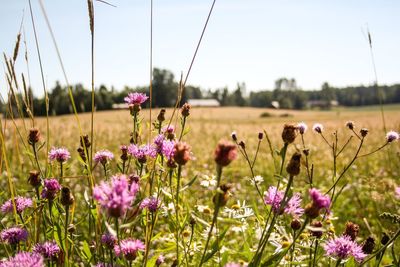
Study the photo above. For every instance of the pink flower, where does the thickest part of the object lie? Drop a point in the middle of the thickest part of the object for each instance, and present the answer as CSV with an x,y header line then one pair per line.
x,y
60,154
293,206
168,149
151,204
49,250
136,98
274,198
51,188
21,203
318,128
24,259
116,196
302,127
319,200
103,156
129,248
14,235
343,247
142,152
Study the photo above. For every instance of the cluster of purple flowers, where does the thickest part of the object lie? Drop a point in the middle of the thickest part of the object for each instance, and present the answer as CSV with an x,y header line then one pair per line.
x,y
103,156
129,248
14,235
59,154
50,189
24,259
49,250
116,196
21,203
141,153
343,247
150,203
274,198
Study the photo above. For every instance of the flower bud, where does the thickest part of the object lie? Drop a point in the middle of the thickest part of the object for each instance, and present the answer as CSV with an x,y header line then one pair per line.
x,y
124,153
234,136
185,110
260,136
242,145
66,199
364,132
289,133
293,168
34,178
84,141
368,245
34,136
225,153
181,153
311,211
352,230
161,116
295,224
350,125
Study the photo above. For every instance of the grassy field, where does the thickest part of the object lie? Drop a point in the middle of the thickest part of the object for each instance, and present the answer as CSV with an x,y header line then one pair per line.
x,y
366,188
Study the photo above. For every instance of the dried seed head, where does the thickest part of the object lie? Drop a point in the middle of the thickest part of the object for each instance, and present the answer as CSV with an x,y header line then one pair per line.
x,y
295,224
225,153
289,133
34,136
364,132
350,125
234,136
260,136
124,153
81,153
352,230
161,115
185,110
242,145
293,168
181,153
84,141
385,239
34,178
311,211
66,199
368,245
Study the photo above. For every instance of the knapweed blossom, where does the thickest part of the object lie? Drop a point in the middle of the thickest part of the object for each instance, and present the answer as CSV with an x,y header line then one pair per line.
x,y
108,240
21,203
274,197
59,154
141,153
341,248
318,128
302,127
136,98
129,248
24,259
14,235
319,201
103,156
116,196
49,250
392,136
150,203
50,189
168,149
158,142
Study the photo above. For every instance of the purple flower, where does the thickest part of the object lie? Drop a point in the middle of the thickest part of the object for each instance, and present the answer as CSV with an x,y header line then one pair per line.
x,y
51,188
168,129
24,259
319,200
293,206
116,196
158,143
136,98
151,204
49,250
274,198
21,203
129,248
60,154
343,247
318,128
397,192
168,149
108,240
14,235
392,136
160,260
302,127
103,156
142,152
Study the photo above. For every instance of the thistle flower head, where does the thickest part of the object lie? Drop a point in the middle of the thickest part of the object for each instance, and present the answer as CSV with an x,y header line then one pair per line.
x,y
34,178
341,248
274,197
158,142
350,125
129,248
103,156
33,136
141,153
49,250
318,128
168,149
289,133
60,154
151,204
302,127
50,189
185,110
116,196
108,240
21,203
319,200
24,259
225,153
392,136
136,98
14,235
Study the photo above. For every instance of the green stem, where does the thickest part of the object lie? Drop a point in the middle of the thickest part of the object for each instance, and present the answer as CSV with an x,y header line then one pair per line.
x,y
177,210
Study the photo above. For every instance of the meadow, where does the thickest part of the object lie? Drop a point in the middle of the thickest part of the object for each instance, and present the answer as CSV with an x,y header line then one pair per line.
x,y
244,226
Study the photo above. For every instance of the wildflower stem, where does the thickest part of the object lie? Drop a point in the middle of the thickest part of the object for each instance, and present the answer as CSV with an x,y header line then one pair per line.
x,y
36,158
111,257
66,232
374,151
183,128
216,210
315,252
338,262
310,180
61,172
177,210
283,156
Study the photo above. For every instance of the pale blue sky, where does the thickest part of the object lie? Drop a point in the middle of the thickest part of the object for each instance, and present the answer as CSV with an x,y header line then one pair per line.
x,y
251,41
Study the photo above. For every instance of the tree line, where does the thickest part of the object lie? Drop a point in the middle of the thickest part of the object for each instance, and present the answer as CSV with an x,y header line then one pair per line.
x,y
286,93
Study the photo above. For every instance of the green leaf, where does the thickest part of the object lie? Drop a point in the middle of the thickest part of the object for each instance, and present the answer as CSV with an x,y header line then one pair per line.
x,y
86,250
188,184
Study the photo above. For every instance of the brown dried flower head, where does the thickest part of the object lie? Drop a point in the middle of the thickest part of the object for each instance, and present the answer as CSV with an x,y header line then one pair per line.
x,y
293,168
185,110
289,133
181,153
225,153
33,136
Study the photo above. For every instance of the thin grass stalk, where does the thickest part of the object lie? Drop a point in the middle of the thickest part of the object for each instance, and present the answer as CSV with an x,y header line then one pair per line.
x,y
151,64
